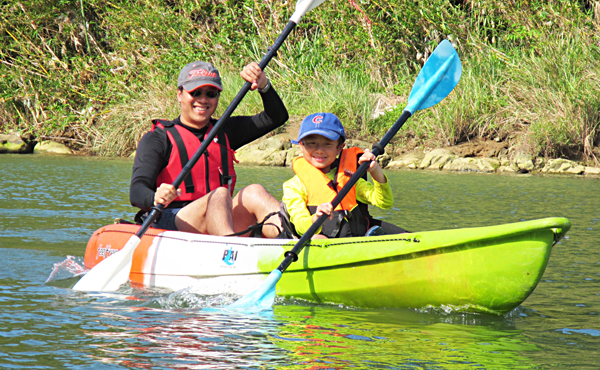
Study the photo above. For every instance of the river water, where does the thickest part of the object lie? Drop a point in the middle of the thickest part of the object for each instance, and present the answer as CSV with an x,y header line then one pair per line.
x,y
50,205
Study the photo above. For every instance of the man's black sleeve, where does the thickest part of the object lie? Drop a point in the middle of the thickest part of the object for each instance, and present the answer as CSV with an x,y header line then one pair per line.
x,y
244,129
149,161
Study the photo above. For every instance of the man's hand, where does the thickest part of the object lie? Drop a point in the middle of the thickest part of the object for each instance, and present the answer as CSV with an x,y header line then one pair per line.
x,y
253,74
165,194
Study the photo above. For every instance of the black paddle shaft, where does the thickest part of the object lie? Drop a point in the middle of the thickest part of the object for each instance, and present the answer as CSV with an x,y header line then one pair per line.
x,y
292,256
272,51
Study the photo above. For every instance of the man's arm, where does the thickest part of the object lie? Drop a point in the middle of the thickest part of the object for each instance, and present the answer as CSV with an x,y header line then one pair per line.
x,y
244,129
150,158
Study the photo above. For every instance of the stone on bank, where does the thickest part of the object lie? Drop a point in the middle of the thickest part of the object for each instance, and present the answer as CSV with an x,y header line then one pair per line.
x,y
51,147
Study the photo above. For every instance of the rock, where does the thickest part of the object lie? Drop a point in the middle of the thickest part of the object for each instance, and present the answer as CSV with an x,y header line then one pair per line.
x,y
561,165
473,164
410,160
384,160
274,143
268,152
437,159
592,171
12,143
51,147
292,153
509,169
524,162
480,148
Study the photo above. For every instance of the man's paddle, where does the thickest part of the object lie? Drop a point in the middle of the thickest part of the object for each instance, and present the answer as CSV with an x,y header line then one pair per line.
x,y
113,271
437,79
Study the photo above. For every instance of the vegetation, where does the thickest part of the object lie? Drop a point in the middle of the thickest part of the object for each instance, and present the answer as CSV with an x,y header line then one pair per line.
x,y
94,72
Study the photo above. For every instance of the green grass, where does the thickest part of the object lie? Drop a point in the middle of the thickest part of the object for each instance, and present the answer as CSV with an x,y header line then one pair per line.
x,y
530,68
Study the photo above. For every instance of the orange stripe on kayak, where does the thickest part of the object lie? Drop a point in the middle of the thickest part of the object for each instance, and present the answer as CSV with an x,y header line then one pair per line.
x,y
110,239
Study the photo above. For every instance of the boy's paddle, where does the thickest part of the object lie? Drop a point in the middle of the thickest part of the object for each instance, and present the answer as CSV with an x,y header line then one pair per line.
x,y
113,271
437,79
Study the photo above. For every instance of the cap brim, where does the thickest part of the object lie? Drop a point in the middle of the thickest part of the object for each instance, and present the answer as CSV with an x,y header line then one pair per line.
x,y
193,85
328,134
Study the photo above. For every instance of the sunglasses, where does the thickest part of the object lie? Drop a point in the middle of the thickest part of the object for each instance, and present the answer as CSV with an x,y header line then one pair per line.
x,y
211,94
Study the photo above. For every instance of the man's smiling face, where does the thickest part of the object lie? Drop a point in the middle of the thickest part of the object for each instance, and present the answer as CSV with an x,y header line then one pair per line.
x,y
197,110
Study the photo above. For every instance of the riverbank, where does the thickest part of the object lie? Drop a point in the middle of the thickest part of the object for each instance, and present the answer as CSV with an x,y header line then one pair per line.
x,y
475,156
277,150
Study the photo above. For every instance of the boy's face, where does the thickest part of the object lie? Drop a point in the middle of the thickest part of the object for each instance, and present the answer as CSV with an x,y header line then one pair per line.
x,y
320,151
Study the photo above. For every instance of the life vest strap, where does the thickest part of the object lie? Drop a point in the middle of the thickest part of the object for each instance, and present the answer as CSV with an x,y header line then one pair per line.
x,y
183,156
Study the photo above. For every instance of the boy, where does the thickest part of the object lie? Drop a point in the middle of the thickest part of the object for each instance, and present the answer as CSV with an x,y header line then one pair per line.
x,y
322,171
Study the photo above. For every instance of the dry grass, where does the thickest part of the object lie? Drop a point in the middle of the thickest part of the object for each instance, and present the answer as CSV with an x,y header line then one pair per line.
x,y
120,129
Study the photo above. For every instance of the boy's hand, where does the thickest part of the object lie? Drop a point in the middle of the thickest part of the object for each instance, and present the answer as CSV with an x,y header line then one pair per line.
x,y
325,208
374,168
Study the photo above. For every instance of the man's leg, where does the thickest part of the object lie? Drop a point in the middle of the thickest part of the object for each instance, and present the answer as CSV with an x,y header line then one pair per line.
x,y
251,205
210,214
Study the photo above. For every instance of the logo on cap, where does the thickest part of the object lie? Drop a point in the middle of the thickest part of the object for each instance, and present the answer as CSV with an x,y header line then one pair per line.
x,y
317,120
201,72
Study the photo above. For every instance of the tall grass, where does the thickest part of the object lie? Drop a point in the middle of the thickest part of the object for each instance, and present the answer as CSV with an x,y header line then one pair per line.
x,y
561,104
96,76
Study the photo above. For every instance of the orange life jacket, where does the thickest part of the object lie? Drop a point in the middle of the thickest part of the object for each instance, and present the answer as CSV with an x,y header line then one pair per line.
x,y
213,169
320,189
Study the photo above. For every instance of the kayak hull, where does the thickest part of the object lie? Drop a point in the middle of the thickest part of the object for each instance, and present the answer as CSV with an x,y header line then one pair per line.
x,y
490,269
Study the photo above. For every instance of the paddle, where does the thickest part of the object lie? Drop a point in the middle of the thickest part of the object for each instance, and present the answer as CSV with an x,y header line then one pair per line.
x,y
113,271
437,79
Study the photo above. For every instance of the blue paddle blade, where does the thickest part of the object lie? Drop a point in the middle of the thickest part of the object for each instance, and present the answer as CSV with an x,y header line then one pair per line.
x,y
437,78
262,298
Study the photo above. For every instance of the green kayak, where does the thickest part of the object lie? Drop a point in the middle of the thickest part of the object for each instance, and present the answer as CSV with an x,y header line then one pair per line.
x,y
485,269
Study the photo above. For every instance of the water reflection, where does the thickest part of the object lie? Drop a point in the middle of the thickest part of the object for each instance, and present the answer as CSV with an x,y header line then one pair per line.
x,y
310,337
51,205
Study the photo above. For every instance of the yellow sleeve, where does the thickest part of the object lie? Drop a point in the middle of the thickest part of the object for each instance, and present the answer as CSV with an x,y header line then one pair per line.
x,y
295,198
375,194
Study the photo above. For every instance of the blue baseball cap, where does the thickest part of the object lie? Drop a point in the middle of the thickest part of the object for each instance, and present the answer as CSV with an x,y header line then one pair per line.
x,y
324,124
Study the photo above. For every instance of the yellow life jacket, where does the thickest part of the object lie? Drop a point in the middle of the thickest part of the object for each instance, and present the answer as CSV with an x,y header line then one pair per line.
x,y
320,189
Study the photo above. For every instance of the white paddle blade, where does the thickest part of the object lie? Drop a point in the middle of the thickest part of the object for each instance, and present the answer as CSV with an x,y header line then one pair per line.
x,y
303,7
112,272
437,78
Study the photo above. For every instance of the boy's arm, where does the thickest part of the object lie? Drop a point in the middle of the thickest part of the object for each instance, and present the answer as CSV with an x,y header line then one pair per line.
x,y
374,167
376,194
294,197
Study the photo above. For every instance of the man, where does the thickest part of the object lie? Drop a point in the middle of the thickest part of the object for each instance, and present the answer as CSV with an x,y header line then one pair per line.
x,y
204,202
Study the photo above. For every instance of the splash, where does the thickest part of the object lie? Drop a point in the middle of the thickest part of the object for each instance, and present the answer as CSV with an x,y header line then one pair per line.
x,y
451,309
69,268
189,299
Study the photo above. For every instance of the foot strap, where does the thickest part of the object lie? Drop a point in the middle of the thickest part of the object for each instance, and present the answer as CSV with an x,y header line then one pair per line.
x,y
257,228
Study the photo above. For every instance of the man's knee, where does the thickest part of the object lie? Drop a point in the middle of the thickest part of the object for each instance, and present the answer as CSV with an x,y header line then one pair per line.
x,y
220,193
254,189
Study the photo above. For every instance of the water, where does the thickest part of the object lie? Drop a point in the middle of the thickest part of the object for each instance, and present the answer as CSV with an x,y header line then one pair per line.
x,y
49,207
